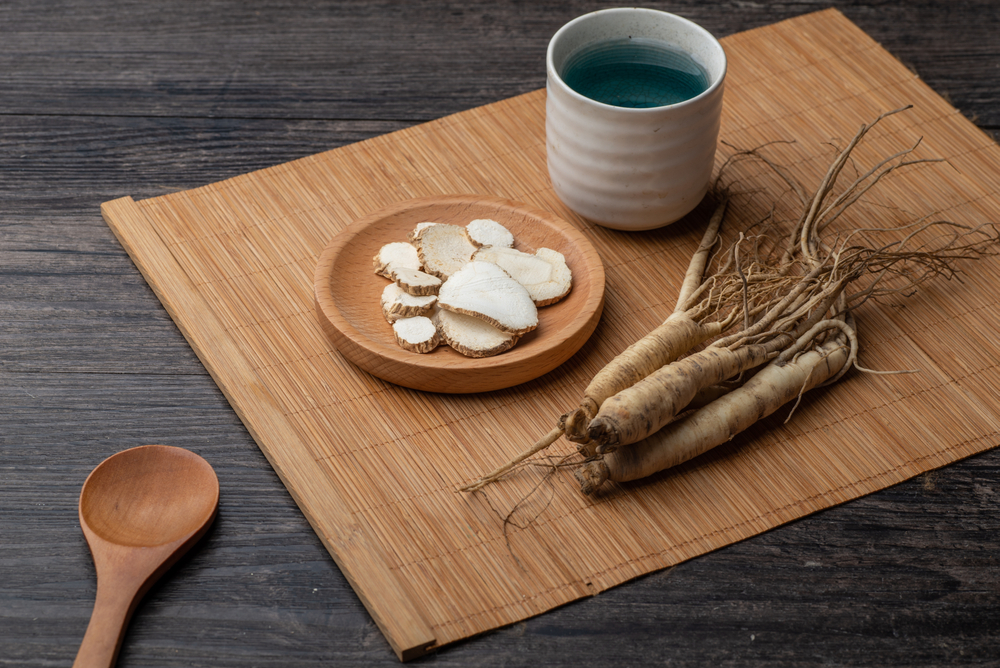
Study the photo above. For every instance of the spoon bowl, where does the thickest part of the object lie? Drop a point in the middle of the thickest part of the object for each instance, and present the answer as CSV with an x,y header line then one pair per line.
x,y
140,511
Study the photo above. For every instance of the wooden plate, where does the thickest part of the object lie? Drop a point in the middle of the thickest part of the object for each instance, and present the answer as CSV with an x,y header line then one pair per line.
x,y
348,292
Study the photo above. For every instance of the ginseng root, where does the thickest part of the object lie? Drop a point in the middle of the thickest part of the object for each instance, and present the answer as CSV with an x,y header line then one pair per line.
x,y
644,408
778,383
678,334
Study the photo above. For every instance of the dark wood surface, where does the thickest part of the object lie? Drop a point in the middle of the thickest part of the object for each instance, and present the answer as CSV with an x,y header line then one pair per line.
x,y
101,99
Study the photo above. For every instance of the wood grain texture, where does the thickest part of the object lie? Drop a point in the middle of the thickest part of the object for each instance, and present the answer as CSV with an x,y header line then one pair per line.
x,y
103,99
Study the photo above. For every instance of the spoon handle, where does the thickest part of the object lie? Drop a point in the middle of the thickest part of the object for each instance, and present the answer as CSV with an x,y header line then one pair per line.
x,y
112,611
124,575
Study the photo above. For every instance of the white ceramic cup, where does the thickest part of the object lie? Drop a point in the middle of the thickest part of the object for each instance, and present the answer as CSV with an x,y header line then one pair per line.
x,y
632,168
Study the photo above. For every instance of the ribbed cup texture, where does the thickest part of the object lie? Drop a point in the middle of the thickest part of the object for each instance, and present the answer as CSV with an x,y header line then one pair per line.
x,y
624,167
630,168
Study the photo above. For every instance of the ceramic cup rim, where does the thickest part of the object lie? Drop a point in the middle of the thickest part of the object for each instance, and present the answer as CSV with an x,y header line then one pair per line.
x,y
554,76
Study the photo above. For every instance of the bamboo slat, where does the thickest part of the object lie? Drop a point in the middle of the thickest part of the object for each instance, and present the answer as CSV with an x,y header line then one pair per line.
x,y
375,467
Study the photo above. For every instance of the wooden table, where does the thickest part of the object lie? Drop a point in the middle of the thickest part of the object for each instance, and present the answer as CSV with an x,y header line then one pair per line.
x,y
102,99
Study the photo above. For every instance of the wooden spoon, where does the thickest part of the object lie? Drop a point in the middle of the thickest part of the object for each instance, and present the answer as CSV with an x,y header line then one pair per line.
x,y
140,510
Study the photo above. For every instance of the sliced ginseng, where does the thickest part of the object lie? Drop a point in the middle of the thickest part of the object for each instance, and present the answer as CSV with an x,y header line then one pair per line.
x,y
415,282
486,232
473,337
485,291
395,256
443,249
418,335
544,274
412,236
397,303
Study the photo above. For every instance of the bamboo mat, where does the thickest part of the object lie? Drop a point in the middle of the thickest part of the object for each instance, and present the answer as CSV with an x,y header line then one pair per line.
x,y
375,467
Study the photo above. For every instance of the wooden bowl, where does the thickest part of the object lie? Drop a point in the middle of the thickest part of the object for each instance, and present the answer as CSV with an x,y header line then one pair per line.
x,y
348,293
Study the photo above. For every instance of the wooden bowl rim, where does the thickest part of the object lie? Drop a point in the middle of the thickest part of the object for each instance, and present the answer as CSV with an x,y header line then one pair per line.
x,y
402,367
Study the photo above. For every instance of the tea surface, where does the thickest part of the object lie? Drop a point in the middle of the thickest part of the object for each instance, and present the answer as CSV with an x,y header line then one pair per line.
x,y
634,72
